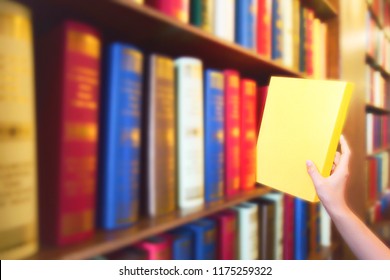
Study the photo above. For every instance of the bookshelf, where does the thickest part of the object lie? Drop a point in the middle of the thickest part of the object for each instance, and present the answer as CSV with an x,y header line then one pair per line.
x,y
378,49
153,31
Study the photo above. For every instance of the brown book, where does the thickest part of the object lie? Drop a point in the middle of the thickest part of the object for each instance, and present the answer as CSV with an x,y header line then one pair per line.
x,y
161,141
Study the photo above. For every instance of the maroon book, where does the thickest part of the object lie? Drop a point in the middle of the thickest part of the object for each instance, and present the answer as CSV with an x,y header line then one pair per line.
x,y
288,227
68,83
226,234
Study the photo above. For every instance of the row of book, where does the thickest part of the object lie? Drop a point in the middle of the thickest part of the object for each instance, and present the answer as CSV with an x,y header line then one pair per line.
x,y
378,43
377,88
379,210
273,226
281,30
377,175
377,132
381,10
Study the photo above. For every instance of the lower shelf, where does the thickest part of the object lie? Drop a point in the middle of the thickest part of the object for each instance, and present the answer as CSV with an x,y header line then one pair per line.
x,y
107,241
325,253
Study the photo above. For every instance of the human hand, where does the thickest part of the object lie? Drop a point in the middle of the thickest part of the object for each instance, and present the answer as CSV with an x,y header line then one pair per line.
x,y
331,190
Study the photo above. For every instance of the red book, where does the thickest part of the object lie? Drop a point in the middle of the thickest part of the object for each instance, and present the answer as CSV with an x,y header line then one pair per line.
x,y
68,83
309,42
232,132
226,234
178,9
261,98
157,247
248,134
288,227
372,176
264,13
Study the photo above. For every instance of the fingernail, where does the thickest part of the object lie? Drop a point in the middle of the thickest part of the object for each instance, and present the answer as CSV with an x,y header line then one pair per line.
x,y
309,163
342,137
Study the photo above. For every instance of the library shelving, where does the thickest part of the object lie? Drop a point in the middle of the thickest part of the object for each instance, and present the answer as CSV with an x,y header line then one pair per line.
x,y
152,31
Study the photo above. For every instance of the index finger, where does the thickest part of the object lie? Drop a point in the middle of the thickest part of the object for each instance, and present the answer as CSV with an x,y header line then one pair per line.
x,y
345,153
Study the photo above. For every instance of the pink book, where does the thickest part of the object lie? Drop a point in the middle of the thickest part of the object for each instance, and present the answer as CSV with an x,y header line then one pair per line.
x,y
157,247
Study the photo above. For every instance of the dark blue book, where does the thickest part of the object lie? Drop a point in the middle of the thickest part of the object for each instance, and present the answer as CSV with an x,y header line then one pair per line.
x,y
214,135
182,244
246,19
120,137
302,39
276,30
204,238
301,227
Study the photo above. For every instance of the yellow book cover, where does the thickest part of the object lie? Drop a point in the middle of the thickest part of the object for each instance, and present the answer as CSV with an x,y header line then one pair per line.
x,y
303,120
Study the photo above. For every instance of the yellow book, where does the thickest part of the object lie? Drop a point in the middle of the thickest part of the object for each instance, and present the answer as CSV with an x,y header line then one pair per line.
x,y
18,188
303,120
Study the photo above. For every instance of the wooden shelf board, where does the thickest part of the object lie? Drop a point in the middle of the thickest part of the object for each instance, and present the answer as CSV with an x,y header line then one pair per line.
x,y
153,31
107,241
376,110
377,151
371,61
323,9
325,253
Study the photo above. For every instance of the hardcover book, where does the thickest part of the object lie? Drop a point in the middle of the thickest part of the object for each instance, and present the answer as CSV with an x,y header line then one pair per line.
x,y
313,131
247,231
226,234
288,227
214,135
263,34
224,19
121,137
277,31
232,132
68,109
246,23
301,238
204,234
190,138
156,248
160,159
248,136
18,162
202,14
182,244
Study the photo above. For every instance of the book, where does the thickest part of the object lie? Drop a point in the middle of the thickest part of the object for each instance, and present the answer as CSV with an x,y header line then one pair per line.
x,y
120,137
314,227
224,19
278,199
182,244
178,9
202,14
226,234
190,135
263,35
204,234
247,231
232,132
295,34
157,247
301,238
248,136
160,160
246,23
325,228
287,32
288,227
260,104
18,161
302,38
309,42
276,31
68,110
214,135
291,135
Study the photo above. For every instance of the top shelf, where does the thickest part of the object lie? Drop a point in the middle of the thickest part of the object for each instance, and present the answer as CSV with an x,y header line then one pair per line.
x,y
153,31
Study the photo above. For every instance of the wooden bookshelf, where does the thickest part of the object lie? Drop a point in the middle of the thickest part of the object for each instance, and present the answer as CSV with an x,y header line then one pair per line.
x,y
377,20
380,150
370,108
371,61
153,31
108,241
325,253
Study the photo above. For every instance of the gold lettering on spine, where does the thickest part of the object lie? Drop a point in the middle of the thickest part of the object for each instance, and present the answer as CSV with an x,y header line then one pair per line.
x,y
84,43
81,132
73,223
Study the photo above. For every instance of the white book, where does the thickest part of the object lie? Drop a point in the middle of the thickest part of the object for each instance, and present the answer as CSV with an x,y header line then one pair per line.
x,y
248,231
224,19
190,147
325,227
287,32
278,240
369,133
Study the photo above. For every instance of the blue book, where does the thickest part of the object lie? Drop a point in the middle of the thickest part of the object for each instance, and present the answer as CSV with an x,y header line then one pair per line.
x,y
120,137
300,233
246,19
276,31
182,244
214,135
204,238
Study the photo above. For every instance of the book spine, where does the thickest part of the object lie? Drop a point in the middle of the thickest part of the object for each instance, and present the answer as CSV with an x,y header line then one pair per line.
x,y
263,33
300,231
232,132
181,10
157,248
288,227
276,33
196,12
287,32
226,233
248,137
69,112
295,34
214,135
246,19
224,19
309,42
302,39
167,7
190,165
161,139
204,233
182,244
210,241
121,137
18,163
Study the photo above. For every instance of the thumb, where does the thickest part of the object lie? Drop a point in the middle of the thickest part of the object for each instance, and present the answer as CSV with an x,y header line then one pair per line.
x,y
313,172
